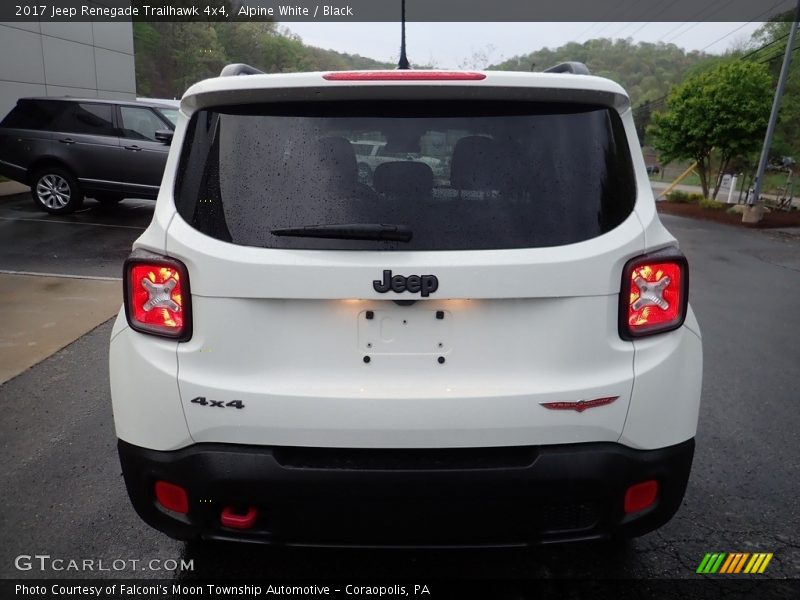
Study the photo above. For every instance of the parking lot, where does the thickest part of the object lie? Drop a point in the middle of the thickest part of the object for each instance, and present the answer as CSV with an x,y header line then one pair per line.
x,y
64,496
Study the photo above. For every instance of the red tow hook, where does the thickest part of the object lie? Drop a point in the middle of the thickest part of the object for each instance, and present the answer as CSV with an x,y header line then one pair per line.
x,y
230,517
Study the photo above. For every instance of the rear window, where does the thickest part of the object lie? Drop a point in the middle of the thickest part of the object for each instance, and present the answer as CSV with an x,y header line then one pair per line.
x,y
33,114
87,118
457,175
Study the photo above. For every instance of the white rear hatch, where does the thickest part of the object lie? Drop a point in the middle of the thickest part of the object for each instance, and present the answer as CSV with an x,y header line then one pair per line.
x,y
525,219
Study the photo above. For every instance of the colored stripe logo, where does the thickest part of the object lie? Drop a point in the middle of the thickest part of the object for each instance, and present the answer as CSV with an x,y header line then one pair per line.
x,y
732,563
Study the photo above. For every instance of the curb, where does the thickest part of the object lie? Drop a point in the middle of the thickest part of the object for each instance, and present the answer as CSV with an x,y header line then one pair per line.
x,y
12,188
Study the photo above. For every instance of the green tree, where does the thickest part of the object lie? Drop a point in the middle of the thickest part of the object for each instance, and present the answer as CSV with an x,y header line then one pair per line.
x,y
196,53
171,56
641,118
647,71
720,113
147,40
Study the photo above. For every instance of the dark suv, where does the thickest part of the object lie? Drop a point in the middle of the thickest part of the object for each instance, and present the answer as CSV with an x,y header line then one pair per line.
x,y
68,148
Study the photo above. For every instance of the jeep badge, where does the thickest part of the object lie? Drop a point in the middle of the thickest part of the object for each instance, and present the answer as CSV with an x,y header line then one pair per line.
x,y
425,284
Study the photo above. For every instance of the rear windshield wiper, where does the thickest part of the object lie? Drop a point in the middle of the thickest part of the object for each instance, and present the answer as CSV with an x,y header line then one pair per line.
x,y
350,231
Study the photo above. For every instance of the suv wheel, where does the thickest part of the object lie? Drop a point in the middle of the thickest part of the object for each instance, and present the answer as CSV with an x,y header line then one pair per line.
x,y
56,191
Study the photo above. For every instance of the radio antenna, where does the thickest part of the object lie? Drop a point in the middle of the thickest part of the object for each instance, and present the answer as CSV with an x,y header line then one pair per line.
x,y
403,62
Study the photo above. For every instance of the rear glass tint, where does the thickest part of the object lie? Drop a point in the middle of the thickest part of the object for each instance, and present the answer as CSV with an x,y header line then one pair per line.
x,y
458,175
33,114
87,118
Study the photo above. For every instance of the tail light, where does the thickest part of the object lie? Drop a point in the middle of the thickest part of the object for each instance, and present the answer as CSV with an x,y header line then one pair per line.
x,y
655,294
157,299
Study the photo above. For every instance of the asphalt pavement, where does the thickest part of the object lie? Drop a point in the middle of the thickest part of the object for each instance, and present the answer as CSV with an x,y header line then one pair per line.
x,y
63,494
59,275
91,242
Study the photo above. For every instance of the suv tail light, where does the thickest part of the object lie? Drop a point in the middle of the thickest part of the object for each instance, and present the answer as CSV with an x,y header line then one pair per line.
x,y
655,294
157,299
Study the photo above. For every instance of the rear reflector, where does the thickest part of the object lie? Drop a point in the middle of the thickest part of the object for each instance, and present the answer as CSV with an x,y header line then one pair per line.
x,y
580,405
156,291
404,75
640,496
231,518
655,294
172,497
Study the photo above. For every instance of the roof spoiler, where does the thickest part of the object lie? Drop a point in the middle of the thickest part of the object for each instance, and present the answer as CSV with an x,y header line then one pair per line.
x,y
239,69
576,68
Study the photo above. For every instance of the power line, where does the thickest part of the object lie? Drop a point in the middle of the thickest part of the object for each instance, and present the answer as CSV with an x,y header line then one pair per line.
x,y
655,16
661,99
777,55
639,15
638,29
743,25
778,3
695,22
775,41
621,29
585,31
610,11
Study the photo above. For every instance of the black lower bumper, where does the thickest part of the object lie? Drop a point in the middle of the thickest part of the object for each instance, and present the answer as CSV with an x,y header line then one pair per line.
x,y
455,497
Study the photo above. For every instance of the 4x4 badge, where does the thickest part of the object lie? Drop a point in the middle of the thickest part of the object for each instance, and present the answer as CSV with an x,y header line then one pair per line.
x,y
424,284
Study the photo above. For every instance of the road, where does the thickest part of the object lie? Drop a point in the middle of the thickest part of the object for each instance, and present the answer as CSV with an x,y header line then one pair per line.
x,y
41,311
91,242
63,494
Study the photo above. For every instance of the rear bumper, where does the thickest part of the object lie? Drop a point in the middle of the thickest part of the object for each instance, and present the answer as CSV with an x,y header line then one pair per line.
x,y
397,498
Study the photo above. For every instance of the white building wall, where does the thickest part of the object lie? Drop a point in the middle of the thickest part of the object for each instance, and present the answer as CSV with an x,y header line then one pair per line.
x,y
93,60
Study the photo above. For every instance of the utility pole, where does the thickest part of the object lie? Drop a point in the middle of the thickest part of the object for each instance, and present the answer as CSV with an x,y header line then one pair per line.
x,y
776,106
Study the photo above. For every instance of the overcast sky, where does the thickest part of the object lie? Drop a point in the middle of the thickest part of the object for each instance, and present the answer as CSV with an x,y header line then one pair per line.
x,y
453,45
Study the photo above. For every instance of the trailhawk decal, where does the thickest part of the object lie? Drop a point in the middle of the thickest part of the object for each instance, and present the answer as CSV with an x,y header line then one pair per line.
x,y
424,284
580,405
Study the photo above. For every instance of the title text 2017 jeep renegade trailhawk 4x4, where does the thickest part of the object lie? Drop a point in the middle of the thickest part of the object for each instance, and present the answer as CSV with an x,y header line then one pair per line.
x,y
504,357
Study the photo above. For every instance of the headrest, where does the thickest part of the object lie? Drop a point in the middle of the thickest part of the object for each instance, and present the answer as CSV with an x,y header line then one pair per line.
x,y
403,178
337,162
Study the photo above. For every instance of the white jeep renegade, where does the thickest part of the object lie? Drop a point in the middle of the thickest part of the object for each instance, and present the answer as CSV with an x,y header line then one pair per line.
x,y
502,355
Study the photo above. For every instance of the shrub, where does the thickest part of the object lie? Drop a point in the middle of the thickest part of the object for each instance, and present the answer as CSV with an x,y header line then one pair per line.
x,y
678,196
696,198
708,203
